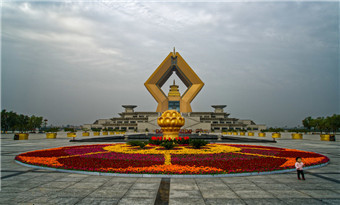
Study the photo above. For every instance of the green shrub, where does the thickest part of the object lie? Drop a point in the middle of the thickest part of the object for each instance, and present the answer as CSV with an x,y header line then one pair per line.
x,y
96,129
155,141
142,144
136,143
52,129
168,144
198,143
70,130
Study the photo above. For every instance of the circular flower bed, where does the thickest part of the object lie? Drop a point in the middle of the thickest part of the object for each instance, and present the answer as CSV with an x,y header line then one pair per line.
x,y
183,159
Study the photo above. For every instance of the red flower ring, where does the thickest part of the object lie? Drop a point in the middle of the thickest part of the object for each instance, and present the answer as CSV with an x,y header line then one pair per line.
x,y
211,159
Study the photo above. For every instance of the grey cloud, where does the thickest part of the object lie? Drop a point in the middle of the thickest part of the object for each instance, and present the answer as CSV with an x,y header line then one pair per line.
x,y
73,63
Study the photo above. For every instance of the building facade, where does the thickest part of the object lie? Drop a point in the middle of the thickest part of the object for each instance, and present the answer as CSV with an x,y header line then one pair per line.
x,y
215,121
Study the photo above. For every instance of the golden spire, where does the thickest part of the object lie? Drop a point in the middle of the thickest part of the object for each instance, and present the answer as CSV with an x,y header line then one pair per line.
x,y
174,53
174,92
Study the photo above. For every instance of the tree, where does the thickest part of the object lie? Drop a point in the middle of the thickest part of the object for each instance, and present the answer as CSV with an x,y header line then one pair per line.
x,y
12,121
23,123
333,122
4,120
307,122
330,123
38,122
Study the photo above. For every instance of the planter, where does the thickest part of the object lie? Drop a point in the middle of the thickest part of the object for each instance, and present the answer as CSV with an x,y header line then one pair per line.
x,y
224,133
51,135
21,136
86,134
71,134
96,133
111,133
327,137
297,136
229,133
251,134
242,133
262,134
105,133
276,135
235,133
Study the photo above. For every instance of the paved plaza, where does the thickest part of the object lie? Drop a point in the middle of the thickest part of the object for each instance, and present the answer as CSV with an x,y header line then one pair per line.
x,y
24,185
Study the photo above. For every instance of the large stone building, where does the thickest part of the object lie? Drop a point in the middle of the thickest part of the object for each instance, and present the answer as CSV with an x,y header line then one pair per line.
x,y
215,121
196,121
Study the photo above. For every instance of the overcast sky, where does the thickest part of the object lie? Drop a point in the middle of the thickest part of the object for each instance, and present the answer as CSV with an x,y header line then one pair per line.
x,y
75,62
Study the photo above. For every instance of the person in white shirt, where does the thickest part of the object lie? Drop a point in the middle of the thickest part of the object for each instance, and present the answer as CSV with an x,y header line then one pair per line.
x,y
299,168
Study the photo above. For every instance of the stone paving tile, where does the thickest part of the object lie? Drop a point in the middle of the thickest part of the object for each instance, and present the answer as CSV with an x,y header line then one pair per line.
x,y
24,198
42,190
294,201
262,180
58,200
183,186
263,201
141,193
306,186
236,180
124,179
7,201
148,180
69,179
321,193
17,178
98,201
70,192
44,178
224,202
185,180
288,194
117,185
33,182
107,193
215,193
136,201
58,184
208,180
154,186
79,175
97,179
14,189
220,182
253,194
313,181
337,190
238,187
4,174
273,186
185,194
209,186
186,201
331,201
288,181
85,185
